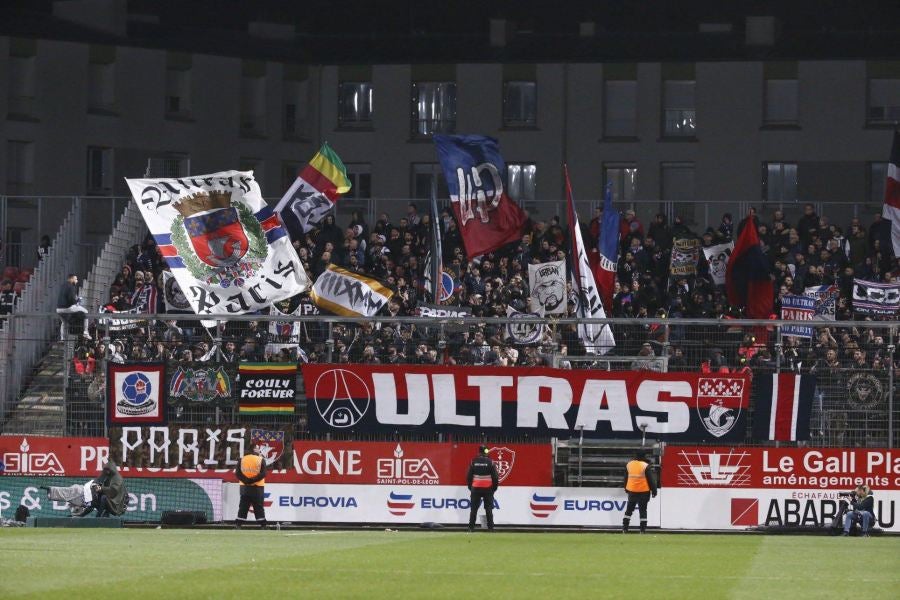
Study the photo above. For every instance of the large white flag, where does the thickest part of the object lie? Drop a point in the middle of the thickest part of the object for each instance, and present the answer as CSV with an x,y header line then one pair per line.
x,y
548,287
224,245
717,257
597,339
349,294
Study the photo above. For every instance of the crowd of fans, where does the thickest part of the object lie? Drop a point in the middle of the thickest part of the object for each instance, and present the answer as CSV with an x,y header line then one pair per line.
x,y
810,252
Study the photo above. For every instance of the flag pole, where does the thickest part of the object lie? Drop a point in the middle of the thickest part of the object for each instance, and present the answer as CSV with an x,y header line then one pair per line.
x,y
436,256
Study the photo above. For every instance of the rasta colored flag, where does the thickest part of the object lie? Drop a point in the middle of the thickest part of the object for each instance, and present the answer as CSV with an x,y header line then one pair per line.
x,y
267,388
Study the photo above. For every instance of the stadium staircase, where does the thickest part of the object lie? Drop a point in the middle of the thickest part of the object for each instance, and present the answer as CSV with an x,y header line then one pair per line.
x,y
130,230
596,463
42,409
32,380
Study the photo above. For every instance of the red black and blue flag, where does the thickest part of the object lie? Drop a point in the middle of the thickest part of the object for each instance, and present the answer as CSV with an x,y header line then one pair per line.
x,y
747,276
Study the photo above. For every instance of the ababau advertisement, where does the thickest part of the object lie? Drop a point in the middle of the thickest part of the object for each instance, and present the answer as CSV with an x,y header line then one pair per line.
x,y
385,399
735,488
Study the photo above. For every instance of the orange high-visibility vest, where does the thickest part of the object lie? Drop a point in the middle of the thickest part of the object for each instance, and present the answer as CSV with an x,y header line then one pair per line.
x,y
251,464
637,476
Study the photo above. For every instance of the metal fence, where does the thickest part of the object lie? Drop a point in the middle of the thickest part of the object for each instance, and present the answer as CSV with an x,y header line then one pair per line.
x,y
855,363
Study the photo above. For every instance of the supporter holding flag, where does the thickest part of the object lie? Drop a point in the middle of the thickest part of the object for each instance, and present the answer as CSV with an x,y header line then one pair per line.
x,y
747,276
597,339
313,193
891,210
608,249
476,177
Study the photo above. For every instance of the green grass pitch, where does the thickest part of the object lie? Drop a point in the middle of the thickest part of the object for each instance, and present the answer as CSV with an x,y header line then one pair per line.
x,y
129,563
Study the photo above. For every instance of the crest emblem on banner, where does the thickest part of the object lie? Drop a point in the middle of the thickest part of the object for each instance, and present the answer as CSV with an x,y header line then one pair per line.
x,y
200,385
220,241
342,398
271,444
719,403
504,459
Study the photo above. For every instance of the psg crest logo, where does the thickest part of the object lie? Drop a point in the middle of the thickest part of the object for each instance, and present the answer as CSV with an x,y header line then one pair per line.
x,y
137,395
342,397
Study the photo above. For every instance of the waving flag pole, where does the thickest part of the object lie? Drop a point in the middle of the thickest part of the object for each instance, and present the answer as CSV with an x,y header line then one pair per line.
x,y
437,258
608,247
891,210
597,339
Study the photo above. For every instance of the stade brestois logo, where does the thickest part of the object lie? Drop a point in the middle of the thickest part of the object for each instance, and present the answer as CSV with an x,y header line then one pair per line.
x,y
220,241
719,403
400,504
699,468
504,459
543,506
341,397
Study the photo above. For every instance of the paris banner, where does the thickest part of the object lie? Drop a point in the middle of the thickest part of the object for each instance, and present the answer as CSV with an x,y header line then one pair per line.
x,y
387,399
226,248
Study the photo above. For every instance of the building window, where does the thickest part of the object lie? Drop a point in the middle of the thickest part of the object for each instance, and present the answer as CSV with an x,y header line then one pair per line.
x,y
178,93
521,181
355,103
623,177
520,104
884,101
19,167
360,176
253,105
780,182
170,166
877,180
678,182
99,171
679,112
21,85
296,104
619,108
434,108
781,102
101,79
422,176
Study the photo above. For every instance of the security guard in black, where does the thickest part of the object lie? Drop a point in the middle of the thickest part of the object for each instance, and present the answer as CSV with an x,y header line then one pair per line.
x,y
482,480
251,474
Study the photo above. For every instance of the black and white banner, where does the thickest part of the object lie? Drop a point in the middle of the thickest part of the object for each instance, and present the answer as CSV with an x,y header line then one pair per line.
x,y
876,299
548,287
717,257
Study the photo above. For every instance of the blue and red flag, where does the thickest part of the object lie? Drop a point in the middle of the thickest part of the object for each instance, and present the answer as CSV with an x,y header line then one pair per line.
x,y
476,177
608,249
747,276
783,406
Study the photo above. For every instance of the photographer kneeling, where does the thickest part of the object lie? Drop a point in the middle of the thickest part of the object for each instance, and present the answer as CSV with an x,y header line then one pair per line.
x,y
862,509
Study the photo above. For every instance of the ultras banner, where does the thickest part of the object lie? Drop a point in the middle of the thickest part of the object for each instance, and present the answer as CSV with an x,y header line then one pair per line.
x,y
538,401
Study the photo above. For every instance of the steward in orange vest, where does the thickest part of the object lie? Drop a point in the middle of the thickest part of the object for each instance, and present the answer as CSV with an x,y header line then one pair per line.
x,y
640,485
251,473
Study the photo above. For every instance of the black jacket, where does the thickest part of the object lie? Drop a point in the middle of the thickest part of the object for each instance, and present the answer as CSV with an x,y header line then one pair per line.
x,y
483,465
251,480
648,473
867,504
68,295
